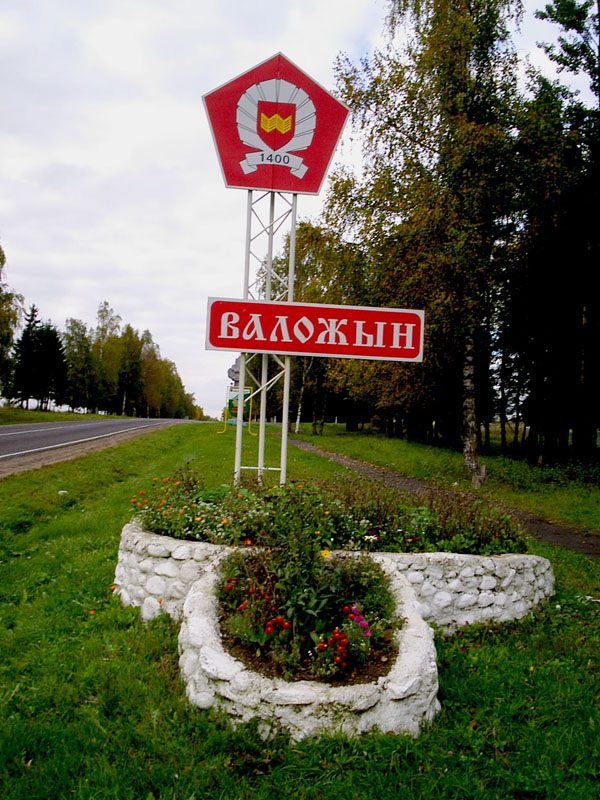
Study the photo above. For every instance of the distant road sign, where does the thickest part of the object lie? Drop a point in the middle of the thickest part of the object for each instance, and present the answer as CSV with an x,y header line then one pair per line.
x,y
233,373
233,400
383,334
275,128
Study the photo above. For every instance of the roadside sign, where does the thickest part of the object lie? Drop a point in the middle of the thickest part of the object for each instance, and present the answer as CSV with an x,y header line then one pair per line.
x,y
233,373
233,400
275,128
251,326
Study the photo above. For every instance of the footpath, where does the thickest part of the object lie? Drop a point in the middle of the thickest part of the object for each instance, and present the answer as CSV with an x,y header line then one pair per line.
x,y
537,527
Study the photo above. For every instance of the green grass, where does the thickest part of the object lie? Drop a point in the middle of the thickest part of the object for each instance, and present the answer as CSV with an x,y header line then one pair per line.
x,y
92,705
19,416
515,484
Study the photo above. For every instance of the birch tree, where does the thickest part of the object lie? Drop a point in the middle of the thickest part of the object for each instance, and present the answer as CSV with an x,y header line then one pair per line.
x,y
436,107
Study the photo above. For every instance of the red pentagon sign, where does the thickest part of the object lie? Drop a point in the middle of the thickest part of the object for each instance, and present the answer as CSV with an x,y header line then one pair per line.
x,y
275,128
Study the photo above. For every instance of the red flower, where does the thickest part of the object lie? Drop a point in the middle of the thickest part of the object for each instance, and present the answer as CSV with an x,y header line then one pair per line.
x,y
269,630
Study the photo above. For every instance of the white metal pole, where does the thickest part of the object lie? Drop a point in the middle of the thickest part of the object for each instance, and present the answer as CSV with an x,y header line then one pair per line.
x,y
265,358
288,363
248,245
237,470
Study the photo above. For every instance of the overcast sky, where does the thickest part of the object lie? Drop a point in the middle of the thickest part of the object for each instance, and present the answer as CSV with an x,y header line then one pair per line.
x,y
110,187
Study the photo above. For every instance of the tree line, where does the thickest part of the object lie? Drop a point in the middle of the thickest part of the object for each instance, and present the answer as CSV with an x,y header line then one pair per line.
x,y
477,202
108,368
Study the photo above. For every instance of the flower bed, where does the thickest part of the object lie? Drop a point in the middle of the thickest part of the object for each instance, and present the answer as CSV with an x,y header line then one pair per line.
x,y
399,702
454,589
180,575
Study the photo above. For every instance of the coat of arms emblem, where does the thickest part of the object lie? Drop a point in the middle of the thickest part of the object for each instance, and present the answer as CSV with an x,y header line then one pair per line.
x,y
278,119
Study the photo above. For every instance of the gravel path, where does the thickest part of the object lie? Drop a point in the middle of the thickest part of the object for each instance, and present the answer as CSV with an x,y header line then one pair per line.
x,y
539,528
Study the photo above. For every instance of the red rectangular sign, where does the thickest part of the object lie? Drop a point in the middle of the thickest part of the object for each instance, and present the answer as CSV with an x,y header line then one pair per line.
x,y
302,329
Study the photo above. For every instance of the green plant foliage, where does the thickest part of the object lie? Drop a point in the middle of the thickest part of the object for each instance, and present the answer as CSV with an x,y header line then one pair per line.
x,y
300,607
92,705
348,515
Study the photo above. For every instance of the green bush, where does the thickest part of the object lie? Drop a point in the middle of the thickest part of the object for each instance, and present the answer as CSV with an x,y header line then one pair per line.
x,y
351,515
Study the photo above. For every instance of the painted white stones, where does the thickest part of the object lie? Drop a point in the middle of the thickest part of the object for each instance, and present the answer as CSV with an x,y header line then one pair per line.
x,y
400,702
160,574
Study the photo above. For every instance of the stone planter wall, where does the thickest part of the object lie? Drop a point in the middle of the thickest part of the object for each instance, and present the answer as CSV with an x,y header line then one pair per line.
x,y
157,572
400,702
454,589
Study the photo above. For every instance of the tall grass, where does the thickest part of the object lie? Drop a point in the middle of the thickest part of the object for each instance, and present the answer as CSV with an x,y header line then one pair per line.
x,y
92,705
568,495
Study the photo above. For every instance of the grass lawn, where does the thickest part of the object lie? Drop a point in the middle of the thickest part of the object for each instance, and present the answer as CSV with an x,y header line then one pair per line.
x,y
92,705
548,492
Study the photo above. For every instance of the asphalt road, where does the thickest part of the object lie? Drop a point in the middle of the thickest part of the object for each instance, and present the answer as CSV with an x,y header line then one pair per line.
x,y
19,441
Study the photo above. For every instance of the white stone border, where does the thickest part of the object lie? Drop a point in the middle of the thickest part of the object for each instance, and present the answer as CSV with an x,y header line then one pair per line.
x,y
159,573
400,702
456,589
453,590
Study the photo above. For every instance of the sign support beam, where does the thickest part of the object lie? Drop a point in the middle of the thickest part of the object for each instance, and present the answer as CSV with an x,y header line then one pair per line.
x,y
268,286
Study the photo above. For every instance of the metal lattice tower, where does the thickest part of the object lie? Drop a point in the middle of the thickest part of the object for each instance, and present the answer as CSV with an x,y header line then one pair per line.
x,y
261,282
